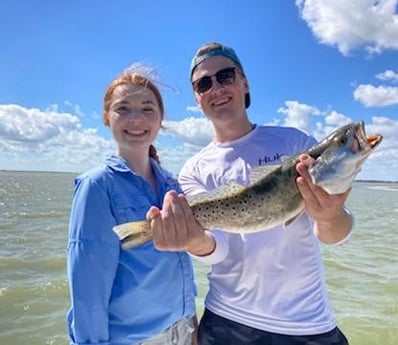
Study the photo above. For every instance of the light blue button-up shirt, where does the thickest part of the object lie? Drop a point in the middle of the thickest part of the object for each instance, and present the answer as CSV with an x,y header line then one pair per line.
x,y
122,296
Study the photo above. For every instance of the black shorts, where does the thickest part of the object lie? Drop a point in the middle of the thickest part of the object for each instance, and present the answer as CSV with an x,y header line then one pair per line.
x,y
216,330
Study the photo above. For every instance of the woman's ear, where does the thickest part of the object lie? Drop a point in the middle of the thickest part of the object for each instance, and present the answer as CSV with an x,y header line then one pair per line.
x,y
105,117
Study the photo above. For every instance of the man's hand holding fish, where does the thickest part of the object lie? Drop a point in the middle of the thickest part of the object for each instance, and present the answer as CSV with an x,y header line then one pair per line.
x,y
332,220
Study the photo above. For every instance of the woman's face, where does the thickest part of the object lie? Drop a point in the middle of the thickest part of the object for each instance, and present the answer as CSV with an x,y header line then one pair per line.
x,y
134,117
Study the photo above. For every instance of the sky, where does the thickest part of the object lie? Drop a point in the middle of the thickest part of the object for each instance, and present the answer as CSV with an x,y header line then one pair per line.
x,y
315,65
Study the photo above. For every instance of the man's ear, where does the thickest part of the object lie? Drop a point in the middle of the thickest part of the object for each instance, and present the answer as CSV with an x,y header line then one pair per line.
x,y
197,101
246,84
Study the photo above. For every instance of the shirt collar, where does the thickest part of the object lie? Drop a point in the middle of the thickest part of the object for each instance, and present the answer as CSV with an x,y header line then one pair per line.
x,y
119,164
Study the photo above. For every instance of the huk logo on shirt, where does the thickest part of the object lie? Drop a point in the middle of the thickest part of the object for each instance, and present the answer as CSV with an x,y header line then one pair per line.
x,y
270,159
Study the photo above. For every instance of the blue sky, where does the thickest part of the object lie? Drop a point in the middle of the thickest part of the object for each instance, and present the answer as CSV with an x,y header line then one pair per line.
x,y
312,64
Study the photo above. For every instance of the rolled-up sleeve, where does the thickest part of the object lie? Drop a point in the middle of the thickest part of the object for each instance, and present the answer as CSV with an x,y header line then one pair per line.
x,y
92,260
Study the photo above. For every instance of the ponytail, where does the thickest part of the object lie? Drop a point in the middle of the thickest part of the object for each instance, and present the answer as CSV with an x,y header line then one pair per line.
x,y
153,153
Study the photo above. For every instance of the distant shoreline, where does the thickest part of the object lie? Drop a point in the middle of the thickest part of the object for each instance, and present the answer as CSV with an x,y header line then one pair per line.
x,y
40,171
375,181
76,173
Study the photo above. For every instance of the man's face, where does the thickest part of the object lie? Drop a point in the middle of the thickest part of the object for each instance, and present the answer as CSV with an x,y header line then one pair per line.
x,y
224,91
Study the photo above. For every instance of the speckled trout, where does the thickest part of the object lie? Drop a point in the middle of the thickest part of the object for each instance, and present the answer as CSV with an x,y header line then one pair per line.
x,y
272,197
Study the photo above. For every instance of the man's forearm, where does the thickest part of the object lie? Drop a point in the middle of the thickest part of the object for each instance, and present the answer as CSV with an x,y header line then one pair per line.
x,y
334,230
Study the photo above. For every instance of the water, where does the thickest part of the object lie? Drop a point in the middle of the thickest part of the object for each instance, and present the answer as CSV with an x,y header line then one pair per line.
x,y
362,276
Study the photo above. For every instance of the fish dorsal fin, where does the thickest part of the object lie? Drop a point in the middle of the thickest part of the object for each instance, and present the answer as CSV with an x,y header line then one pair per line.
x,y
285,158
220,192
259,172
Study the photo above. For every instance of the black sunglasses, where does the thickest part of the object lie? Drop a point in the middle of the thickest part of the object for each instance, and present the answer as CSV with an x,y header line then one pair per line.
x,y
224,76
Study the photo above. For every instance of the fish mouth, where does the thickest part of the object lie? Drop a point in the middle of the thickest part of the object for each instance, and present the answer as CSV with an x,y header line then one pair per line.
x,y
366,142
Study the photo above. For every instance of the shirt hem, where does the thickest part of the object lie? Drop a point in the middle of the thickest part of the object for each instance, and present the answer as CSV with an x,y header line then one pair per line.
x,y
298,329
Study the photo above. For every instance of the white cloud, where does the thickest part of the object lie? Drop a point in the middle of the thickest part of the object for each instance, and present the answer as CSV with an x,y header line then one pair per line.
x,y
382,164
310,119
387,127
330,122
194,109
76,108
34,139
193,130
32,125
174,158
48,140
376,96
31,139
388,75
298,114
353,24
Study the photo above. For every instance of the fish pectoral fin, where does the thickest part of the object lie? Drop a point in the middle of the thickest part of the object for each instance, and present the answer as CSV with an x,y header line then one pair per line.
x,y
133,234
291,220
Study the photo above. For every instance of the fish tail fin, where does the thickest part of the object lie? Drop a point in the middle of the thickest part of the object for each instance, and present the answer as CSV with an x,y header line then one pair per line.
x,y
133,234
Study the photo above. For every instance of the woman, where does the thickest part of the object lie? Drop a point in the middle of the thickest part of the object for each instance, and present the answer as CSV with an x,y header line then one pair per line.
x,y
140,295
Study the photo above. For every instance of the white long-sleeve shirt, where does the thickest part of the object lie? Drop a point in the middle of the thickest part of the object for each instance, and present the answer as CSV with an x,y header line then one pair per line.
x,y
271,280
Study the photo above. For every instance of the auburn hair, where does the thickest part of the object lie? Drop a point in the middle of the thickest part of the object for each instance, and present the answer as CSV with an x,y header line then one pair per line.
x,y
137,75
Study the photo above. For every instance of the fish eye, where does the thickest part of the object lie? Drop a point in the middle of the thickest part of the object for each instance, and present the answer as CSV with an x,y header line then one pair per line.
x,y
343,141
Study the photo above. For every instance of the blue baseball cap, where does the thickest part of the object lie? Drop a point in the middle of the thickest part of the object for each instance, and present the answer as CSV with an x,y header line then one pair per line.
x,y
219,50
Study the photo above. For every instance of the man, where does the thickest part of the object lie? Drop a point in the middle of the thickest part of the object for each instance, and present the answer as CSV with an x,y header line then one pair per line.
x,y
266,287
